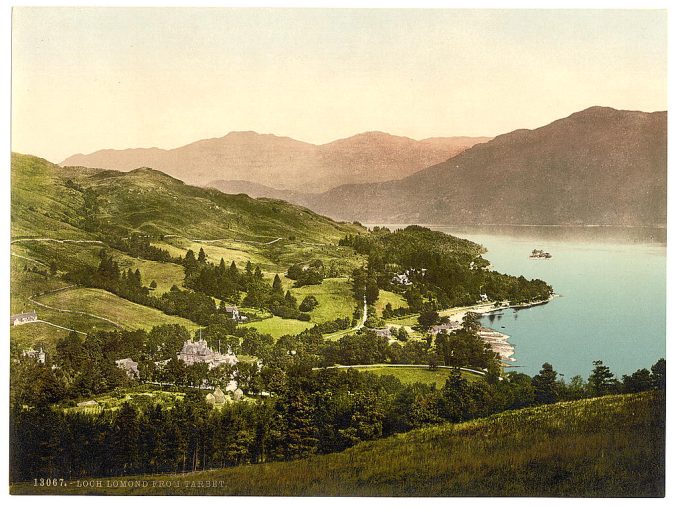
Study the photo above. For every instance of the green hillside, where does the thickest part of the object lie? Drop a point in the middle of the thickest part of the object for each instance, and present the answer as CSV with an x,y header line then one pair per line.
x,y
65,216
604,447
48,200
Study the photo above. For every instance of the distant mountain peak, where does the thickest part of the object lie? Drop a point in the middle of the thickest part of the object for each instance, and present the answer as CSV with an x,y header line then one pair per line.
x,y
285,163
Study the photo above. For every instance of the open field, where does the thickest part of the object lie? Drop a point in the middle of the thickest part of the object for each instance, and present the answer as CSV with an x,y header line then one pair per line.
x,y
411,375
386,297
334,296
128,315
606,447
278,327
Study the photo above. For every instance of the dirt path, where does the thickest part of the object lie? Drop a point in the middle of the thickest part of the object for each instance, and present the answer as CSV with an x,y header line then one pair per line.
x,y
57,326
19,240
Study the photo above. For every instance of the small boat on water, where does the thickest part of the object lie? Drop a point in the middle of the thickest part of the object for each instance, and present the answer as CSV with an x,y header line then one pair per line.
x,y
540,254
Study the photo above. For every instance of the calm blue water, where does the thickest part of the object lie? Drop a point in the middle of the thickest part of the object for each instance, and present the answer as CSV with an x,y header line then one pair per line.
x,y
612,287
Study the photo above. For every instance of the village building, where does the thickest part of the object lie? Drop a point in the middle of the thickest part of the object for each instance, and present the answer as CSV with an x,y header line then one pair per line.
x,y
199,352
446,327
401,278
129,366
39,356
235,314
382,332
25,317
406,278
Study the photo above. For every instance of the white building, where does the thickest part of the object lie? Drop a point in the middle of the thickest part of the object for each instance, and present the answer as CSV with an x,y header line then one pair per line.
x,y
20,319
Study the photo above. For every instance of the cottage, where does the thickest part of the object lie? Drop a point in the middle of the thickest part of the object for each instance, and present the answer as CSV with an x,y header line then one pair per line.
x,y
129,366
401,278
220,398
382,332
235,314
26,317
217,397
88,403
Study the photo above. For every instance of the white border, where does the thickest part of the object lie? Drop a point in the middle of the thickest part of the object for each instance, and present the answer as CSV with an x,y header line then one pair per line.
x,y
672,272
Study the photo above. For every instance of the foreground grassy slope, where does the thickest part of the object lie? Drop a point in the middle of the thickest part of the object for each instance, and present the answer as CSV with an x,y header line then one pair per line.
x,y
610,446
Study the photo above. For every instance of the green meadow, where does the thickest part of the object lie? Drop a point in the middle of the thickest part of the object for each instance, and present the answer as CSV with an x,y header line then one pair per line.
x,y
278,327
334,297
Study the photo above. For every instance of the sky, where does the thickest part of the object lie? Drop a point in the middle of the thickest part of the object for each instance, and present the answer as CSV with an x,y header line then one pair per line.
x,y
84,79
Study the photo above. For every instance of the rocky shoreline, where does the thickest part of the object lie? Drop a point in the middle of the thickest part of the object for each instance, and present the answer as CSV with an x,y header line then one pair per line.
x,y
499,342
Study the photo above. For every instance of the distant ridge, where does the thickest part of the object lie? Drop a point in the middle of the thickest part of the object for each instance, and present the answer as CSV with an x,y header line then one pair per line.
x,y
283,162
597,166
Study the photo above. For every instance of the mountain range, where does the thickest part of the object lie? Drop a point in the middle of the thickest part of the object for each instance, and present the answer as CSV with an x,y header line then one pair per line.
x,y
599,166
285,163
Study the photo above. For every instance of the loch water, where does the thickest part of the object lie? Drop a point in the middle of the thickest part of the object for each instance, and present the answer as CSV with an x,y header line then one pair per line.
x,y
611,283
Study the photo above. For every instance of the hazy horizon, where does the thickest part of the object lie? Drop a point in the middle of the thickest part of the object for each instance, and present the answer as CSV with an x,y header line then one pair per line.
x,y
85,79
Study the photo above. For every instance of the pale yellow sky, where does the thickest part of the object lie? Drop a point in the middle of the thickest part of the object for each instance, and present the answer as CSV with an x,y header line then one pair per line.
x,y
90,78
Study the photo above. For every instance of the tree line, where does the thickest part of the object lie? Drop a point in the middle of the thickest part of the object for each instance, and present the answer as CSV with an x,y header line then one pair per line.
x,y
311,412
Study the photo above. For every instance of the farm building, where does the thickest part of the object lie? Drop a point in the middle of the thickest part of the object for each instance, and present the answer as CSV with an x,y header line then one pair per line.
x,y
20,319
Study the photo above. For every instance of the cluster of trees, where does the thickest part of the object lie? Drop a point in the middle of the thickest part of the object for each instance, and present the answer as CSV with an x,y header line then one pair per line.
x,y
444,271
139,246
218,280
310,412
548,388
193,305
390,312
308,275
108,275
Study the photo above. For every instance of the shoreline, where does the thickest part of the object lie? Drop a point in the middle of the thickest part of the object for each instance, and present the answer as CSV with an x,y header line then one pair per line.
x,y
498,341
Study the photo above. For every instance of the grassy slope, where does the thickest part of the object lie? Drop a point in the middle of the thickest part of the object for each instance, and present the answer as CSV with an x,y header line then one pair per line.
x,y
411,375
129,315
611,446
147,200
386,297
334,297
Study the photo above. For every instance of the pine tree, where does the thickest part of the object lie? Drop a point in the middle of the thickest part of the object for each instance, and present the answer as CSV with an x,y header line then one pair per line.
x,y
277,287
601,381
545,385
201,256
233,271
301,435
